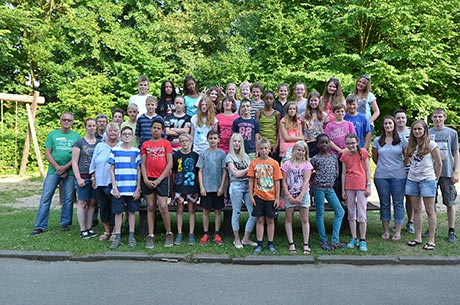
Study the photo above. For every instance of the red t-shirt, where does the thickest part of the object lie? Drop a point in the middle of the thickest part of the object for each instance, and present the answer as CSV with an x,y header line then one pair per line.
x,y
155,160
225,123
356,170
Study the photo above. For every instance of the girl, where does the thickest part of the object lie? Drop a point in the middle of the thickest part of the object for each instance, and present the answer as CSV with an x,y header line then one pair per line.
x,y
314,121
225,122
269,119
191,95
238,164
214,96
332,96
296,178
201,124
356,186
290,129
424,161
82,152
300,92
390,175
326,172
283,93
233,92
366,100
166,101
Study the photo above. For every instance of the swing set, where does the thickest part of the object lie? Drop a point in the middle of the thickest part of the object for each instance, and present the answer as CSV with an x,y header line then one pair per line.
x,y
31,108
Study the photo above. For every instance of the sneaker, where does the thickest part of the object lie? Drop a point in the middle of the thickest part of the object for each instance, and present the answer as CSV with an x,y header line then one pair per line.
x,y
410,228
427,233
204,240
191,240
218,240
178,239
363,246
353,243
150,243
271,249
338,245
115,244
84,235
169,242
452,238
92,233
36,232
132,242
325,246
257,250
65,228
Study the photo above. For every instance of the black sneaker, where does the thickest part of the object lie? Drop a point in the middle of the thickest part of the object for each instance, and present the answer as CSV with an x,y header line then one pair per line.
x,y
36,232
427,233
65,228
84,235
91,233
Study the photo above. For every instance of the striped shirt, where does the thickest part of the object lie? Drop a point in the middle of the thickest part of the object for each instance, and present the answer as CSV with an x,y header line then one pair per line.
x,y
126,163
143,127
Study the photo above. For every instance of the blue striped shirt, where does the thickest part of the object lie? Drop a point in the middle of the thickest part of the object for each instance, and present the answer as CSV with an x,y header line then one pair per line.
x,y
143,127
126,163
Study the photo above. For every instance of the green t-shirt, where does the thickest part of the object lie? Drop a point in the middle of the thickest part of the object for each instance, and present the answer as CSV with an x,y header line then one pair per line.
x,y
61,144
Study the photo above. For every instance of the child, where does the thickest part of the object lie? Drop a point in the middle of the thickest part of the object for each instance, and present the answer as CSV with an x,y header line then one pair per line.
x,y
144,122
125,175
139,98
156,165
447,140
264,191
280,103
131,122
332,96
300,100
359,120
233,92
177,123
256,103
314,121
214,96
117,115
201,124
326,172
238,164
212,175
248,128
191,95
296,180
290,129
367,100
424,158
225,120
269,120
245,90
185,185
167,98
356,187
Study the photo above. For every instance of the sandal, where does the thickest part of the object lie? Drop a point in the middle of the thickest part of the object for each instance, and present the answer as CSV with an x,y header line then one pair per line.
x,y
429,246
396,237
306,249
413,243
104,236
292,248
386,236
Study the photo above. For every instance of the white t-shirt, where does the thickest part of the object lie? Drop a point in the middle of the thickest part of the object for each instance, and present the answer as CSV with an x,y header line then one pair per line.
x,y
422,168
139,100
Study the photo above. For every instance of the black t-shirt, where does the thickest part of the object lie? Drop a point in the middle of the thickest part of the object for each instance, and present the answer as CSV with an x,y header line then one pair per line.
x,y
186,179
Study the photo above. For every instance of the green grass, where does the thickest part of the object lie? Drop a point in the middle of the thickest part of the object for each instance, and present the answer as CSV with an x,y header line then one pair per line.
x,y
16,224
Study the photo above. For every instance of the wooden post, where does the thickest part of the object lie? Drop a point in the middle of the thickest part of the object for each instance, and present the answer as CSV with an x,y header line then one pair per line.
x,y
25,151
35,141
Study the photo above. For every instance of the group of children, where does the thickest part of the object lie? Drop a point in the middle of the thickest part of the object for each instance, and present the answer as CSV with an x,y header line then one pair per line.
x,y
257,150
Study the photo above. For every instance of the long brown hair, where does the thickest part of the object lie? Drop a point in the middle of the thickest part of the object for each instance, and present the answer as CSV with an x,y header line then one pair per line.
x,y
422,147
395,134
210,114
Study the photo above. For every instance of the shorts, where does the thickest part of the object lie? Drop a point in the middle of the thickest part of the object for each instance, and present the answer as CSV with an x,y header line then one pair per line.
x,y
263,208
424,188
86,192
212,202
183,198
448,191
161,190
120,205
304,204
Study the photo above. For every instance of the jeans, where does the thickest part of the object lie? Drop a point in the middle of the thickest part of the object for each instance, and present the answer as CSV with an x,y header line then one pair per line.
x,y
334,203
239,190
49,187
396,188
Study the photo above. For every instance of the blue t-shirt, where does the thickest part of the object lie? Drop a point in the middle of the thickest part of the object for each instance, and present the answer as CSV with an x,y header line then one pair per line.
x,y
248,129
212,162
361,124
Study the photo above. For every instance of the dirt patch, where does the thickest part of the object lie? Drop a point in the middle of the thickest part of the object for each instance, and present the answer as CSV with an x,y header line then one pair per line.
x,y
22,192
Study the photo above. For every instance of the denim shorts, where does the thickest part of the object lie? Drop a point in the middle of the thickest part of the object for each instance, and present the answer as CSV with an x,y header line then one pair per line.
x,y
305,203
120,205
423,188
86,192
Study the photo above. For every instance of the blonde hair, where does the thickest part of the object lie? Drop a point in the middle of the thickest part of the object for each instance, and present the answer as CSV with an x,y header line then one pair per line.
x,y
241,154
151,98
299,144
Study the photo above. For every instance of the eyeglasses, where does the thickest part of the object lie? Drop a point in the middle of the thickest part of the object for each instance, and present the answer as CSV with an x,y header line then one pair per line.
x,y
67,120
184,141
367,77
126,134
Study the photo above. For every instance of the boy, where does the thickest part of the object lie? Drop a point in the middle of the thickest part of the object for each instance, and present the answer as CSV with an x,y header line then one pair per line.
x,y
359,120
125,175
447,140
212,175
256,103
131,122
264,191
177,123
118,115
185,186
144,122
156,165
248,127
140,97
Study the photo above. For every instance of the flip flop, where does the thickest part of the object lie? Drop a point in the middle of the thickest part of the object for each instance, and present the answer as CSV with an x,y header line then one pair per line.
x,y
396,237
386,236
413,243
429,246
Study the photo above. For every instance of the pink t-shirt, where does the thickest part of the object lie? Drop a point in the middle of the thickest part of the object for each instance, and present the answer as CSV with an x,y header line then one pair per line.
x,y
338,131
224,124
295,176
293,132
356,170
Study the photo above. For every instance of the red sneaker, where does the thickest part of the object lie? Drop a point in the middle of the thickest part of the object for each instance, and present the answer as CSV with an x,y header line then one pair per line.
x,y
204,240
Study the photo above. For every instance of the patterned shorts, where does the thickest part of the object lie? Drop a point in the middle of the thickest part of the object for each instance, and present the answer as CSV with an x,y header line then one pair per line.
x,y
183,198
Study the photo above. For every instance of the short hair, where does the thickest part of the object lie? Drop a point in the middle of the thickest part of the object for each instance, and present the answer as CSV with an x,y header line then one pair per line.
x,y
185,135
158,120
245,100
268,92
151,98
101,116
338,106
440,110
322,135
133,107
263,141
257,85
112,126
125,128
66,113
212,132
179,97
351,98
143,78
400,110
245,85
118,110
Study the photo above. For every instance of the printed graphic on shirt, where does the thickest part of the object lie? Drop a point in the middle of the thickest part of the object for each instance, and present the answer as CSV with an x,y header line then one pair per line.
x,y
264,175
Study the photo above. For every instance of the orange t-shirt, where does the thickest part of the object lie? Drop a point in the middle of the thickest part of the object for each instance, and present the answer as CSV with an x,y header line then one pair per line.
x,y
155,159
265,173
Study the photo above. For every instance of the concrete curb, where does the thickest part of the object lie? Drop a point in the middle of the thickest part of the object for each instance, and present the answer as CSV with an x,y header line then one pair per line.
x,y
273,260
37,255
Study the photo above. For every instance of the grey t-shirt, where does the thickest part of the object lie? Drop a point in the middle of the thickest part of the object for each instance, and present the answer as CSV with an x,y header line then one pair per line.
x,y
239,164
447,140
212,162
390,163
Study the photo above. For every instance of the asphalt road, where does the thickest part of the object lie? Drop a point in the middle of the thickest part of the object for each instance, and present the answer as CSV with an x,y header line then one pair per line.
x,y
128,282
